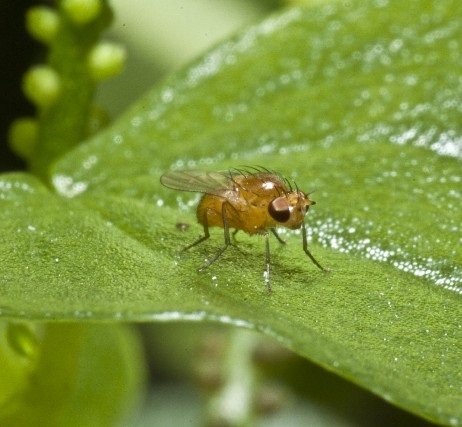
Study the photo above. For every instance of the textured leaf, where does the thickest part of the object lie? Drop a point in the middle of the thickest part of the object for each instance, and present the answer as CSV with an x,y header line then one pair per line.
x,y
359,102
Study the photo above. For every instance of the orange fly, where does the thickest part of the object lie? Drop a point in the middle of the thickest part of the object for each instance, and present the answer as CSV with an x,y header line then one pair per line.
x,y
254,200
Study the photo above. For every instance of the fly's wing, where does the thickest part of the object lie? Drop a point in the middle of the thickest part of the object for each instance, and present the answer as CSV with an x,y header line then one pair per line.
x,y
198,181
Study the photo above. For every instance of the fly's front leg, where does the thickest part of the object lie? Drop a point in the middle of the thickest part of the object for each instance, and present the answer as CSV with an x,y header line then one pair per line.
x,y
305,248
227,238
266,273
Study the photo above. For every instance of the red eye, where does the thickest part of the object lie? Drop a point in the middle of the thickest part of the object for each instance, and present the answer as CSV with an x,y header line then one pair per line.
x,y
279,209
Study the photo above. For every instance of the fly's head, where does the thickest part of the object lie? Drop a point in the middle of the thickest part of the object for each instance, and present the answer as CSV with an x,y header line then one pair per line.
x,y
289,210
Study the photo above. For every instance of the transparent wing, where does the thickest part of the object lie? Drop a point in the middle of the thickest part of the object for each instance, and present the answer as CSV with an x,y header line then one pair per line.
x,y
199,181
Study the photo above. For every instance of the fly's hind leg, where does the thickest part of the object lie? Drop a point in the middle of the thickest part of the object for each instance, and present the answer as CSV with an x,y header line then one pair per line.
x,y
234,241
200,239
227,238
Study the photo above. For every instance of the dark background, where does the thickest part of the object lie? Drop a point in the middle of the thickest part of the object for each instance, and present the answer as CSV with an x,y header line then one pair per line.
x,y
19,51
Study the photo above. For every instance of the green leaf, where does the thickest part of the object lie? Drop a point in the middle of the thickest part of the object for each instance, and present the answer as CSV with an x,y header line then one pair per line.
x,y
360,102
71,367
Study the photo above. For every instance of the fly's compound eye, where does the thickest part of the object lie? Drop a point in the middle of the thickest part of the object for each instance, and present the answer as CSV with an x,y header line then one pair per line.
x,y
279,209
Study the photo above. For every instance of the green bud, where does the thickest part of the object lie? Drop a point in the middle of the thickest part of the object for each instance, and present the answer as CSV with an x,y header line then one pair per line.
x,y
42,23
42,85
81,11
23,136
106,60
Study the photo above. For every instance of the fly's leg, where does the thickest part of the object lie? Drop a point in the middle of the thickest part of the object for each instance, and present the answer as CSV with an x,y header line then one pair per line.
x,y
233,240
266,273
305,248
227,239
200,239
282,242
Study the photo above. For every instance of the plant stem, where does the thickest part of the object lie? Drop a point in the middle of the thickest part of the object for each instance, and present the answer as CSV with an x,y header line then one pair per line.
x,y
232,405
